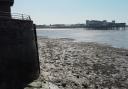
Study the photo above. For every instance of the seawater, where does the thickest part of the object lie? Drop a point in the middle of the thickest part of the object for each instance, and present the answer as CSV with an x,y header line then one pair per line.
x,y
115,38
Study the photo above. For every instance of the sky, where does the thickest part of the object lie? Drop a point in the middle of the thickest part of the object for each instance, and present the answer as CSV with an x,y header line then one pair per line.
x,y
72,11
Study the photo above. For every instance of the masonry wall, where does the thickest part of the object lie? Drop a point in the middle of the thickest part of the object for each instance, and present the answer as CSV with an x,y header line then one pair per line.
x,y
19,63
5,8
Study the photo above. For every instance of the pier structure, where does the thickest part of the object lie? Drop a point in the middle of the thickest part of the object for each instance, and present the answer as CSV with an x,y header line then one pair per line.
x,y
96,24
19,59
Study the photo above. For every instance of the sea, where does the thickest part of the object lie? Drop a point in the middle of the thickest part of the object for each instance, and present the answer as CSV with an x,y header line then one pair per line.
x,y
115,38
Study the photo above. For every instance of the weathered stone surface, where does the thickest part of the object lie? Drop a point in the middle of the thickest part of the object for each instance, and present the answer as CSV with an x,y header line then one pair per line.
x,y
5,8
19,61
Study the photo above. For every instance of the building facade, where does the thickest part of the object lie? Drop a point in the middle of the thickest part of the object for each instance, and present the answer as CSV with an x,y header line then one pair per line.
x,y
103,24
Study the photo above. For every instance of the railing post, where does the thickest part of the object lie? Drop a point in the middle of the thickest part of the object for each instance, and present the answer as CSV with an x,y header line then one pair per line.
x,y
29,17
22,17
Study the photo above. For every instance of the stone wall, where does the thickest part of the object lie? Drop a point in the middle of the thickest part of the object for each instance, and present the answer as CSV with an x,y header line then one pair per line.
x,y
19,63
5,9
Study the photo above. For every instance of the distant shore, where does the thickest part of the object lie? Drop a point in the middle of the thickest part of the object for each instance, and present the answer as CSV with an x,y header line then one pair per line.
x,y
82,65
64,26
101,28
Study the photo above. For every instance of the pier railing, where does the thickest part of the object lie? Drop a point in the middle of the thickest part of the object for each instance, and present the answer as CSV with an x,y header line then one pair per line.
x,y
14,16
20,16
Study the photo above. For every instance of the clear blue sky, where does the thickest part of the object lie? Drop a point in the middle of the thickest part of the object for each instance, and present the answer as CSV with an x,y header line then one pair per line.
x,y
72,11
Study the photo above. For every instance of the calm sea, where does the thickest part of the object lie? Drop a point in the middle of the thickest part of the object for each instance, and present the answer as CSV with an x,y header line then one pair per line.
x,y
115,38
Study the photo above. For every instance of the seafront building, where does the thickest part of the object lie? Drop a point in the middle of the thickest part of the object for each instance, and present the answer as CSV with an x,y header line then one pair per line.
x,y
96,24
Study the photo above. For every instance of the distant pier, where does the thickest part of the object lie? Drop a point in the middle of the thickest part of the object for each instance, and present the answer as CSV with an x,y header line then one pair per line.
x,y
90,24
104,25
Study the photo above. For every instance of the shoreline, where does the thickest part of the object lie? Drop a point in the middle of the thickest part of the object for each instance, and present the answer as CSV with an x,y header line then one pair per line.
x,y
76,41
82,65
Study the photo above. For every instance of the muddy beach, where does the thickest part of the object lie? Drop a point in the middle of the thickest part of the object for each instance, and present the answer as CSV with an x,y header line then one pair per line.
x,y
71,65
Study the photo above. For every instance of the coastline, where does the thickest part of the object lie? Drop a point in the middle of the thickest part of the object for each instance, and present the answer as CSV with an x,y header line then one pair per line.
x,y
81,65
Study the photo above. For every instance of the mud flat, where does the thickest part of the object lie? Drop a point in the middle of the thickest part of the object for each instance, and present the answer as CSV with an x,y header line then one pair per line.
x,y
70,65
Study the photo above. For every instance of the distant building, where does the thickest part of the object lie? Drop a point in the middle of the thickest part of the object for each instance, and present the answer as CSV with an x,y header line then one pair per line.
x,y
103,24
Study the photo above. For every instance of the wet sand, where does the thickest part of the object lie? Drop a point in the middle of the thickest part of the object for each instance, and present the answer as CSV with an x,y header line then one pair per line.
x,y
80,65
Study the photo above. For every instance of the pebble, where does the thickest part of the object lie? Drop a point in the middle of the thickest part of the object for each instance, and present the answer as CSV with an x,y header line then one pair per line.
x,y
81,65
